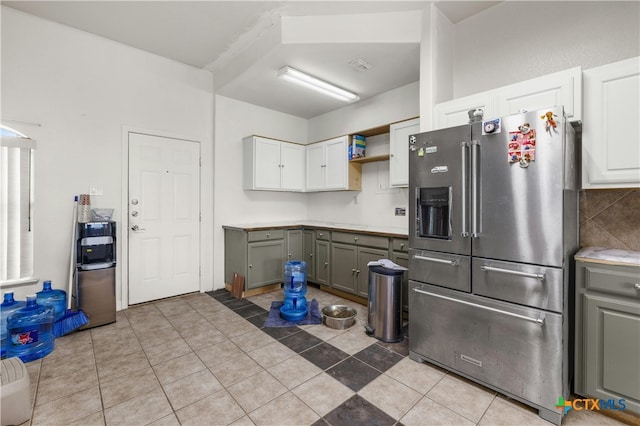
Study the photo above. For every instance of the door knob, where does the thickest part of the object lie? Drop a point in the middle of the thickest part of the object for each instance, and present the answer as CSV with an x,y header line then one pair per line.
x,y
134,202
137,228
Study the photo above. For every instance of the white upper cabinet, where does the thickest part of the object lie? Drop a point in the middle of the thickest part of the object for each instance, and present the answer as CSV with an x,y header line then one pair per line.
x,y
328,167
611,129
272,165
399,151
560,88
456,112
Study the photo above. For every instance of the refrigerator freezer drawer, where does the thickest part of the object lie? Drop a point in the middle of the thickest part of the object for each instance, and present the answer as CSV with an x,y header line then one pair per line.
x,y
442,269
537,286
96,295
514,349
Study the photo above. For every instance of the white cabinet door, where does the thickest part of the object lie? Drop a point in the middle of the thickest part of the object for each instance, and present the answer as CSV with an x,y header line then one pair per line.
x,y
266,163
456,112
399,151
336,163
291,167
560,88
315,166
610,131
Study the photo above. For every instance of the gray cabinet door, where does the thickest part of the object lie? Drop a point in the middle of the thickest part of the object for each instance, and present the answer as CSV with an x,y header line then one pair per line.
x,y
266,263
295,245
402,259
343,267
308,249
612,349
322,267
366,255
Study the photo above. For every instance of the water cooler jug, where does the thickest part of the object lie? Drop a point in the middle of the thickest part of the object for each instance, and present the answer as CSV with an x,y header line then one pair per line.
x,y
95,289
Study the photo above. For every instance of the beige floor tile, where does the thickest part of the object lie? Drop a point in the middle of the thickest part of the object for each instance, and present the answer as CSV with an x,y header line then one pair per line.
x,y
236,369
589,418
294,371
73,363
390,396
177,368
112,336
57,387
243,421
351,343
68,408
185,325
217,354
117,350
149,324
462,396
190,316
170,420
234,328
418,376
96,419
112,368
201,338
222,317
429,413
191,388
323,332
124,388
284,411
158,337
142,409
69,345
220,406
252,340
167,350
257,390
271,354
173,307
507,413
323,393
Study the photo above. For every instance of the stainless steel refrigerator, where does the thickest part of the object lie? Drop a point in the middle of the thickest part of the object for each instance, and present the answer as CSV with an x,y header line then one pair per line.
x,y
493,227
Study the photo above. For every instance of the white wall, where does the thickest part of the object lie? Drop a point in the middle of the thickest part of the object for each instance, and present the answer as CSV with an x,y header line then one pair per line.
x,y
516,41
235,120
82,89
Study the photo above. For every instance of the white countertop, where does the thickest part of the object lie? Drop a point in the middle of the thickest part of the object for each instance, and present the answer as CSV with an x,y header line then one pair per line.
x,y
387,230
610,256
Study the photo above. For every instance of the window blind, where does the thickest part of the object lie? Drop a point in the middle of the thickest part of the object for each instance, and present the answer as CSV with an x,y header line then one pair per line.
x,y
16,208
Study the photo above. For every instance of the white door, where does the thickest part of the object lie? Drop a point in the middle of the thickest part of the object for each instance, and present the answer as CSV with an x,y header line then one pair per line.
x,y
164,217
336,163
315,167
399,151
267,163
292,166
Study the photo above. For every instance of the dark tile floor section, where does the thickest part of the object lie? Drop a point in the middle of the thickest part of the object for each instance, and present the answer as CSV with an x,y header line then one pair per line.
x,y
355,371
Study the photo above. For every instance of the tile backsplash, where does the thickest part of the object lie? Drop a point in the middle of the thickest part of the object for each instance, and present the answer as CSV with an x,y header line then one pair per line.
x,y
610,218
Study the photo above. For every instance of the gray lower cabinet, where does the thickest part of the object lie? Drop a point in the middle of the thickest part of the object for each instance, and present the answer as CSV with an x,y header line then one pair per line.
x,y
607,363
366,255
343,267
308,251
258,255
295,244
400,256
322,270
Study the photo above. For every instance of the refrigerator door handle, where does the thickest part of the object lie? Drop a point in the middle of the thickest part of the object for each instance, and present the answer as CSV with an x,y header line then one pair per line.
x,y
465,165
475,157
508,271
436,260
538,321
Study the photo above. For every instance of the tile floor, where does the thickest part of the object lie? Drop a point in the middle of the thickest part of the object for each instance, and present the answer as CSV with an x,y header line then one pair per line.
x,y
204,359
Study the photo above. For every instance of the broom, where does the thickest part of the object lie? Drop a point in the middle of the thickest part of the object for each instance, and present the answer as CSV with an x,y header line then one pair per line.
x,y
71,320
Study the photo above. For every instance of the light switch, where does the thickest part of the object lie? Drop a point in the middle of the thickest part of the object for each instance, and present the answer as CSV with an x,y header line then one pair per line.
x,y
94,190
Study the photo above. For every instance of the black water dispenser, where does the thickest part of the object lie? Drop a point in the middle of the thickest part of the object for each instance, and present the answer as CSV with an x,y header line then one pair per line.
x,y
433,212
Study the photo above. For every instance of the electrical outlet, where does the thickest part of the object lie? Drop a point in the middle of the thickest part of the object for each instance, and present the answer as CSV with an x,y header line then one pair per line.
x,y
93,190
401,211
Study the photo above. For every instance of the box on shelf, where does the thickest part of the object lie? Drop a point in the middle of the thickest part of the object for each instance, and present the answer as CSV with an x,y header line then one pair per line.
x,y
358,147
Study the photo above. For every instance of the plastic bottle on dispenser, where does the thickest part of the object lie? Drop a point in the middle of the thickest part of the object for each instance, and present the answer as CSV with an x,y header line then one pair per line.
x,y
294,307
57,299
30,331
8,306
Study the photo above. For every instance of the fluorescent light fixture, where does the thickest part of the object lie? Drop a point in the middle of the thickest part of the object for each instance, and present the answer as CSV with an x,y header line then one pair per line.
x,y
318,85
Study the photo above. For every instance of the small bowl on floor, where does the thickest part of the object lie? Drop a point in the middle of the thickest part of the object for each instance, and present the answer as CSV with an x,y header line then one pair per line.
x,y
339,317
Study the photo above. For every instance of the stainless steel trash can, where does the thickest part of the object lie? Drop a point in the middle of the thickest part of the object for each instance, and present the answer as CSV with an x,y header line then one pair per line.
x,y
384,319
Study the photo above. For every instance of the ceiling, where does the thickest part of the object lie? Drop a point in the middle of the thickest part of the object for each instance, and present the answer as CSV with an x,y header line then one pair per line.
x,y
239,41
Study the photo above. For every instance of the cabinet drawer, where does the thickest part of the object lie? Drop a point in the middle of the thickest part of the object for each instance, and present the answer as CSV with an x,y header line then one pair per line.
x,y
620,280
269,234
361,239
323,235
400,245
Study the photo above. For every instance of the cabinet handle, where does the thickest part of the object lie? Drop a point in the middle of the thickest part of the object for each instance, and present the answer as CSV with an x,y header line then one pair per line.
x,y
353,271
326,264
355,238
636,286
250,266
310,254
268,235
401,246
321,234
289,254
358,271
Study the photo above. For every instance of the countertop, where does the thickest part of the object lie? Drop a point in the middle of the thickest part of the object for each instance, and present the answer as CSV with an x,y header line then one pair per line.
x,y
608,256
364,229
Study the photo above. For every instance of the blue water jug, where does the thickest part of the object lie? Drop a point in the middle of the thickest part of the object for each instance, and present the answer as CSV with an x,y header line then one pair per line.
x,y
54,298
7,307
294,307
30,331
